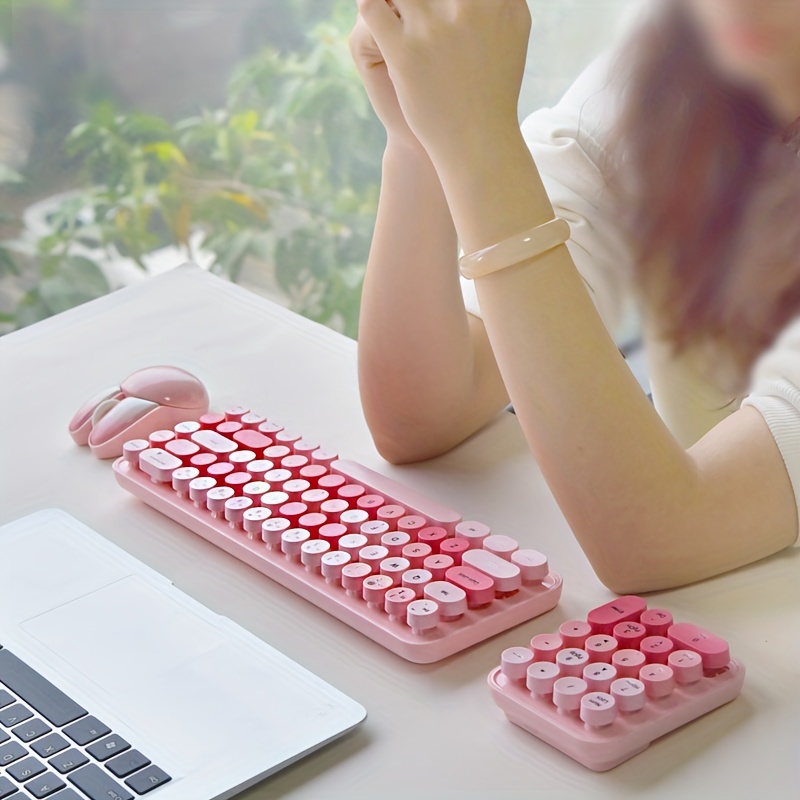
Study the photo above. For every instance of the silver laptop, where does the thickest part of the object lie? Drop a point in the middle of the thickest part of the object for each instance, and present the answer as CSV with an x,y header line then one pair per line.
x,y
116,685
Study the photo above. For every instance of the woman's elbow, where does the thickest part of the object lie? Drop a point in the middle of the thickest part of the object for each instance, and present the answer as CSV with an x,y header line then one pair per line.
x,y
404,449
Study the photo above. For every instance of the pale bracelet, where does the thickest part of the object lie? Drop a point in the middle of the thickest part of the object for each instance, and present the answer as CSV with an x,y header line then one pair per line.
x,y
522,247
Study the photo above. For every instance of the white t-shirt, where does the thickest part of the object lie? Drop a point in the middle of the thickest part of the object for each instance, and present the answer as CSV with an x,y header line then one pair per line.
x,y
564,143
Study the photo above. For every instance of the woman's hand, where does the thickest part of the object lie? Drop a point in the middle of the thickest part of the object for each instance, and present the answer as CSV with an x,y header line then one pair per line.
x,y
380,90
456,67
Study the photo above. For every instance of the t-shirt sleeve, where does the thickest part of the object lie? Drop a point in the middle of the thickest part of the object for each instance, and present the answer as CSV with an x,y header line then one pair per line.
x,y
564,142
775,392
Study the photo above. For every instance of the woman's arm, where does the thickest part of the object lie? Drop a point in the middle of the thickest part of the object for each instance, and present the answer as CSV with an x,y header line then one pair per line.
x,y
648,514
427,374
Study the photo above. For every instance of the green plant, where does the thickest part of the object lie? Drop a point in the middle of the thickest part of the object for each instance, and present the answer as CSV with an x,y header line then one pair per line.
x,y
282,179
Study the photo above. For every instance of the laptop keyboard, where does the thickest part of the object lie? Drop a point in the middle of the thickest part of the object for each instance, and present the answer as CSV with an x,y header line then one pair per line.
x,y
51,747
601,689
390,562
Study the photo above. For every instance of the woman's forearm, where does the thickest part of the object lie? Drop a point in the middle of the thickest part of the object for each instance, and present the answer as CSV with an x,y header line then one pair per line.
x,y
426,371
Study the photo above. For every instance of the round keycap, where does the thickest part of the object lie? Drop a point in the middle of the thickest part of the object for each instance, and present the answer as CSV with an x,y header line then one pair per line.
x,y
500,545
411,524
272,529
571,661
184,430
259,468
216,497
397,601
252,519
374,589
395,541
657,649
332,532
255,490
235,508
455,548
390,512
277,477
599,676
294,464
332,564
432,535
132,448
656,621
160,438
235,413
416,553
353,519
628,662
438,565
598,709
370,503
350,492
574,632
220,469
353,575
199,488
352,543
331,482
229,427
658,680
241,458
374,530
514,663
311,553
251,421
452,599
293,511
181,479
532,564
473,532
323,457
541,677
629,694
687,666
422,615
312,523
545,646
296,488
314,498
601,647
211,420
416,579
274,500
567,693
629,635
394,567
312,473
292,541
333,508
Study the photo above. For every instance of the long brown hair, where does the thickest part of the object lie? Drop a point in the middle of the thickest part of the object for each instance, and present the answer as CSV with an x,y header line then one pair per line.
x,y
708,187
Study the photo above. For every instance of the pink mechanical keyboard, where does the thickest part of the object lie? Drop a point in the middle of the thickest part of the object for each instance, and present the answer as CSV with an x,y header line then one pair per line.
x,y
385,559
603,689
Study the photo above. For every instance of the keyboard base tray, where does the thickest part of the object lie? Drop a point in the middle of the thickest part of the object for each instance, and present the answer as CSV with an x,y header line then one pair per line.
x,y
395,635
601,749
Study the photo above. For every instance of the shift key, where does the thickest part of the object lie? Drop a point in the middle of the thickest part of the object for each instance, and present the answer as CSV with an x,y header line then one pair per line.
x,y
55,706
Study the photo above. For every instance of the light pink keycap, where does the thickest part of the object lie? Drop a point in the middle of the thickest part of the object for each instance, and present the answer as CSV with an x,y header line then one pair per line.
x,y
433,535
353,577
332,564
657,649
541,677
598,709
373,554
277,452
292,541
657,621
601,647
599,676
479,587
353,519
438,565
252,421
255,490
241,458
370,503
374,530
211,420
158,464
332,532
312,523
374,589
311,553
416,579
324,457
252,520
184,430
235,508
658,680
350,492
473,532
501,545
422,615
274,500
272,529
314,498
333,508
506,576
132,448
269,428
216,499
394,567
199,488
628,662
514,663
213,442
181,479
532,564
287,437
312,473
294,464
293,511
296,488
452,599
395,541
571,661
455,548
712,648
390,512
277,477
236,412
624,609
629,694
687,666
260,467
567,694
412,524
629,634
397,601
160,438
182,449
416,553
219,469
303,447
203,461
574,632
228,428
237,481
546,646
353,543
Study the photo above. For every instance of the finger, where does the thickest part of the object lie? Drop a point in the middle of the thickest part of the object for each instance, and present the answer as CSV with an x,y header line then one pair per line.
x,y
381,19
363,46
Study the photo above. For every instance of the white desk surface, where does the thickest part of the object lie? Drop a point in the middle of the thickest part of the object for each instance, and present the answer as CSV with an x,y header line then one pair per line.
x,y
432,731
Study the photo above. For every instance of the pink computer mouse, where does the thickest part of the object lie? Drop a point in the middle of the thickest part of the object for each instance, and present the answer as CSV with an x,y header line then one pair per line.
x,y
150,399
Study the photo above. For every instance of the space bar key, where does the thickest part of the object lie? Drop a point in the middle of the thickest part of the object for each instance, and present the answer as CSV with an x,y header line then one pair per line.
x,y
395,492
55,706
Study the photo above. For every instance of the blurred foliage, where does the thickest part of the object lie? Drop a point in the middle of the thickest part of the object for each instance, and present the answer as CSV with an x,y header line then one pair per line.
x,y
283,179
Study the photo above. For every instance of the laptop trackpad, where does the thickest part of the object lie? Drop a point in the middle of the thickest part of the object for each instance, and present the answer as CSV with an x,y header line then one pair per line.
x,y
162,663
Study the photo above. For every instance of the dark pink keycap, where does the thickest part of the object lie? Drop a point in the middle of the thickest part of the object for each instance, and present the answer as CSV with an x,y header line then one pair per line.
x,y
312,473
433,535
438,564
574,632
332,532
657,621
219,469
252,440
656,649
628,662
350,492
416,553
455,548
711,648
370,503
601,647
203,461
237,481
479,587
629,634
228,428
211,420
624,609
545,646
331,482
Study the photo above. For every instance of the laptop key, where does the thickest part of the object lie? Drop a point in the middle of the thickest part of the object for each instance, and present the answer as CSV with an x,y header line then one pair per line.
x,y
55,706
11,752
45,785
50,745
107,747
4,737
98,785
68,794
86,730
31,730
126,763
27,768
148,779
5,698
11,715
6,788
69,760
